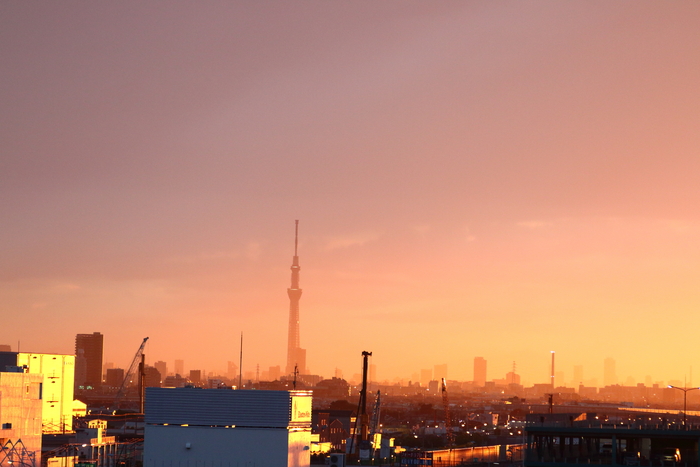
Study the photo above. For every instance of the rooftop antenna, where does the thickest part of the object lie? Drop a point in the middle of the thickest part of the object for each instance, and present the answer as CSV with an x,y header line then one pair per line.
x,y
296,372
240,366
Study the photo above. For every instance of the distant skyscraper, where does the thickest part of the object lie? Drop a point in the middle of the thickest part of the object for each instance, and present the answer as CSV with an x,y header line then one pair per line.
x,y
89,347
296,356
609,373
480,371
152,377
162,368
578,375
180,367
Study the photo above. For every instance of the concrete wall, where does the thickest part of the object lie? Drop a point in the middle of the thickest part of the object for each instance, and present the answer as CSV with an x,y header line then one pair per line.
x,y
20,410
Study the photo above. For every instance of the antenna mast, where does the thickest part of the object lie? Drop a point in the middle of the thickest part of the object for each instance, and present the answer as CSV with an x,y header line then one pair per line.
x,y
296,236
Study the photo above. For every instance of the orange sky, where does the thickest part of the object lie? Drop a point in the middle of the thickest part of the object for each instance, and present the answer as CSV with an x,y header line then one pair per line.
x,y
496,179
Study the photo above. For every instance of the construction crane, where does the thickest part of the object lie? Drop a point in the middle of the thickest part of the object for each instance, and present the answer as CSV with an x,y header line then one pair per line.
x,y
364,418
448,422
361,448
374,424
137,362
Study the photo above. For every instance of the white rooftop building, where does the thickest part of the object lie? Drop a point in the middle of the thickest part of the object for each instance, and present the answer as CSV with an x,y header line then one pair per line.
x,y
226,428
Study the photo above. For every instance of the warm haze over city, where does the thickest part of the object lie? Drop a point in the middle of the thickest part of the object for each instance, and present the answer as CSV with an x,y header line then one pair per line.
x,y
472,178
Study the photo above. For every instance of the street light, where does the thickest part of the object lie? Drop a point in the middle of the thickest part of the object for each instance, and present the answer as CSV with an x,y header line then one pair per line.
x,y
685,400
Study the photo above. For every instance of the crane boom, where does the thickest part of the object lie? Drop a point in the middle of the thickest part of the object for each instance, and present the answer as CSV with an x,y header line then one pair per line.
x,y
129,374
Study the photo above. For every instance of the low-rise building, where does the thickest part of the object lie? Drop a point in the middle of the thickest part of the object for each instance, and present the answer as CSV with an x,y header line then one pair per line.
x,y
194,426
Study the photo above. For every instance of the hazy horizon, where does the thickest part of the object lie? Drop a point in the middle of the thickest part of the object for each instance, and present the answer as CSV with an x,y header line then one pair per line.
x,y
495,179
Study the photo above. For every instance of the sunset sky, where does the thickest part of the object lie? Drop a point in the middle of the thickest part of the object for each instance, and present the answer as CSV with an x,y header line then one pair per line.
x,y
472,178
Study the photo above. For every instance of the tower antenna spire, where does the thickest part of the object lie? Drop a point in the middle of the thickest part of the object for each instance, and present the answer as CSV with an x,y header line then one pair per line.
x,y
296,236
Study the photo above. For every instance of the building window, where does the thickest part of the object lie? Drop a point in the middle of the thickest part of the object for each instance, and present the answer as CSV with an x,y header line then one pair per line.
x,y
7,426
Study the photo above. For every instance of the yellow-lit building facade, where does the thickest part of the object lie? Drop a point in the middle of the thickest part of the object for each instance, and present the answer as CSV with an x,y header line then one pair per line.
x,y
57,394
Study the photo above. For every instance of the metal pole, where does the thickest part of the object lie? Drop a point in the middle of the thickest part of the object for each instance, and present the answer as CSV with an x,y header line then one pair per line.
x,y
552,380
240,366
685,402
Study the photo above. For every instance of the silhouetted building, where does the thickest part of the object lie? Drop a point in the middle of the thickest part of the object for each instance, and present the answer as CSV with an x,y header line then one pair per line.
x,y
609,374
5,348
479,371
152,377
174,381
114,377
89,347
296,356
334,427
196,376
162,368
334,388
433,386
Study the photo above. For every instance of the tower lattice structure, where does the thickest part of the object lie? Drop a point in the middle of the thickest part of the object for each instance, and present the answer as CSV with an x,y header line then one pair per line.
x,y
296,356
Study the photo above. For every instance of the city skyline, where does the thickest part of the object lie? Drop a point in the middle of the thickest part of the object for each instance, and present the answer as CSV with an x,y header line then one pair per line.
x,y
608,375
473,179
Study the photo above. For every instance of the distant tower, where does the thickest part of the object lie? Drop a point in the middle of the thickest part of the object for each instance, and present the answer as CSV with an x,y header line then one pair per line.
x,y
180,367
296,356
609,373
479,371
